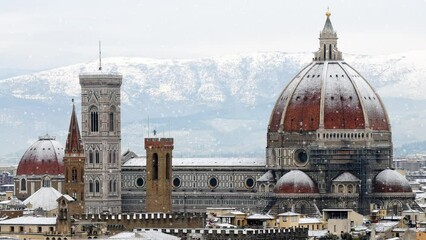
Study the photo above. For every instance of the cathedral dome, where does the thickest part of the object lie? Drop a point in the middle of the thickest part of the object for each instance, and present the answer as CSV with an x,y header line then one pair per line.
x,y
43,157
295,181
390,181
328,94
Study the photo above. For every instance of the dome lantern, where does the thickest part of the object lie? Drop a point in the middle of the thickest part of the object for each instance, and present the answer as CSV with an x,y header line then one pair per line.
x,y
328,43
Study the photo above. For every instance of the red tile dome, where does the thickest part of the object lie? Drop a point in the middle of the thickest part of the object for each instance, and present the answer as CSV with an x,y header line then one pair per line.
x,y
328,95
390,181
43,157
295,181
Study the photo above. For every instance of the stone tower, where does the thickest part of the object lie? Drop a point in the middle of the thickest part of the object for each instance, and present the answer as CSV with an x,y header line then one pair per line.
x,y
101,133
159,174
74,160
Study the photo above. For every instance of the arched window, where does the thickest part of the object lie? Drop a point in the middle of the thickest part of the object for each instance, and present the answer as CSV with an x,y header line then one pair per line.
x,y
97,186
82,175
110,186
155,166
168,166
96,156
111,119
74,195
329,52
115,186
110,156
340,188
94,119
23,185
90,156
82,196
91,186
350,188
114,156
45,182
74,175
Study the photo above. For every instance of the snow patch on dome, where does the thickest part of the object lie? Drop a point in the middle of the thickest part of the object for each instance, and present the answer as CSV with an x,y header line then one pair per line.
x,y
267,177
295,181
346,177
391,181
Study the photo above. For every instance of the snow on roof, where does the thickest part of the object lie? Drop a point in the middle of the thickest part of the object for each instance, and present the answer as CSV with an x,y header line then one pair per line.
x,y
384,226
267,177
68,198
30,220
288,214
44,198
237,212
259,216
346,177
309,221
317,233
144,234
181,162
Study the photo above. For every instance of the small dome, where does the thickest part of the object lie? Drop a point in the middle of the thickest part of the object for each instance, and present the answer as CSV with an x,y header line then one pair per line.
x,y
389,181
295,181
346,177
43,157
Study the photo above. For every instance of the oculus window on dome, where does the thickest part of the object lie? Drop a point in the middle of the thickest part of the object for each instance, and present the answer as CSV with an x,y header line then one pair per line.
x,y
301,157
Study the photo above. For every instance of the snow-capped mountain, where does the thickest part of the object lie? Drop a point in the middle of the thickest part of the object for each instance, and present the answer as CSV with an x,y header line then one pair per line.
x,y
215,106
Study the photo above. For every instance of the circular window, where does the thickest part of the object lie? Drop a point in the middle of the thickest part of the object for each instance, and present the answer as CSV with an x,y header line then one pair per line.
x,y
301,157
176,182
249,182
213,182
140,182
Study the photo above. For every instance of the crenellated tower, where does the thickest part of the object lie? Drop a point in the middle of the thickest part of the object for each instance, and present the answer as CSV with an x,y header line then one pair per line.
x,y
101,132
159,174
74,160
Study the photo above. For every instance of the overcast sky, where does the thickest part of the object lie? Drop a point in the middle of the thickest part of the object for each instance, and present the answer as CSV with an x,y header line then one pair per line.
x,y
52,33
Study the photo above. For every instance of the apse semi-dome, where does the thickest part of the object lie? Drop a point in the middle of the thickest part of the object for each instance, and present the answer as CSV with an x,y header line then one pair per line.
x,y
295,181
328,94
43,157
390,181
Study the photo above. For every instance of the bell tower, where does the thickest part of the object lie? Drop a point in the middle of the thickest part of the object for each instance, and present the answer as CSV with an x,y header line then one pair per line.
x,y
101,134
159,174
74,166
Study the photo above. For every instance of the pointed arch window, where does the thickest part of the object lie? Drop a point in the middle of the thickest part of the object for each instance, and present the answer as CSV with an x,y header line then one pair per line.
x,y
115,186
94,119
90,156
74,175
97,156
91,186
97,186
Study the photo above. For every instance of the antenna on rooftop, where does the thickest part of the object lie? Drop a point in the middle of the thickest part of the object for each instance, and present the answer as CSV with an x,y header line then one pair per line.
x,y
100,57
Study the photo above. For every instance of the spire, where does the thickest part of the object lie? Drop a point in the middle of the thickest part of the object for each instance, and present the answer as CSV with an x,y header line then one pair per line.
x,y
328,27
74,143
328,42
